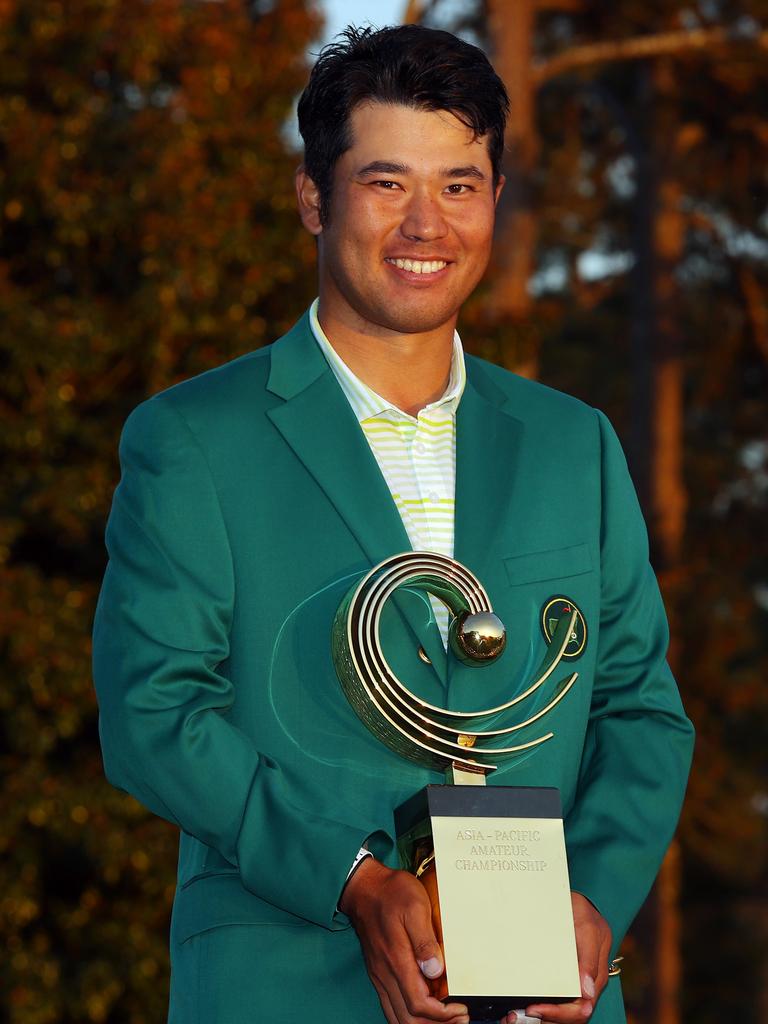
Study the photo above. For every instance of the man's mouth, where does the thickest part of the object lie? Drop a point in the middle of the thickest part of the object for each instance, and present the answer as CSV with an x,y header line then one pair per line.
x,y
418,266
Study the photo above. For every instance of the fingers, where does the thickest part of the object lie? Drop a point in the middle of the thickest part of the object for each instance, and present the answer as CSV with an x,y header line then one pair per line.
x,y
427,943
407,1009
410,994
601,980
425,961
395,1018
576,1012
588,944
593,946
406,1016
386,1002
392,917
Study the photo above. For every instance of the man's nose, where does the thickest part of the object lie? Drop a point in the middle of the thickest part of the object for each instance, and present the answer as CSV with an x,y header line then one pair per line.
x,y
423,220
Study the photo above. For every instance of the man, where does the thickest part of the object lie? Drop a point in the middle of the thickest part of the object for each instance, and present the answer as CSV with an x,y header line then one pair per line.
x,y
253,496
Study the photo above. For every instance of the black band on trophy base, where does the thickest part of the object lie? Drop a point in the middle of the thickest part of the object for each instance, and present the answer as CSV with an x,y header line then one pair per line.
x,y
491,1009
478,801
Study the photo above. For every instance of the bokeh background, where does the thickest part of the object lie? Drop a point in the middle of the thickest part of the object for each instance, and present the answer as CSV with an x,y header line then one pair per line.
x,y
148,232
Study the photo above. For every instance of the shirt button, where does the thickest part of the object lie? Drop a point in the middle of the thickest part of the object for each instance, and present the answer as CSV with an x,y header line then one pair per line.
x,y
420,447
433,496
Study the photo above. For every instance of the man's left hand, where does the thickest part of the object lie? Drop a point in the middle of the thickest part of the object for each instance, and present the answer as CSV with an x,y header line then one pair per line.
x,y
593,946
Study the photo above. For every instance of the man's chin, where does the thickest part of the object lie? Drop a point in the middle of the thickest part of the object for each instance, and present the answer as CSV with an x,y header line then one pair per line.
x,y
416,321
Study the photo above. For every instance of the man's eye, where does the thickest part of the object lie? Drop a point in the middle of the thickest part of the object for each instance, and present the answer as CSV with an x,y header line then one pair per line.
x,y
387,184
458,189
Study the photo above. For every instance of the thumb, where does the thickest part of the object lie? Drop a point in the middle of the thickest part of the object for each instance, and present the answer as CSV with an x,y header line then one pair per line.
x,y
588,943
425,927
432,967
588,985
428,954
588,966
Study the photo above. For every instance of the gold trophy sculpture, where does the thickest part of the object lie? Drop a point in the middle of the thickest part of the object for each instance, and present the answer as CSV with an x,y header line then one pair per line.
x,y
495,855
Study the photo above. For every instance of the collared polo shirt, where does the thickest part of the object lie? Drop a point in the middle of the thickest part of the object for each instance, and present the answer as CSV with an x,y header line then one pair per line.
x,y
416,454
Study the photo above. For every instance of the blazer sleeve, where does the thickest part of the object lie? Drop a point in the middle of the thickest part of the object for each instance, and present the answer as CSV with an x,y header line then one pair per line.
x,y
639,742
161,641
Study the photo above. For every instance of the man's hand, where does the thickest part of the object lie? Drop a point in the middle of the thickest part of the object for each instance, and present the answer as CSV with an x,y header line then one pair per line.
x,y
593,946
391,914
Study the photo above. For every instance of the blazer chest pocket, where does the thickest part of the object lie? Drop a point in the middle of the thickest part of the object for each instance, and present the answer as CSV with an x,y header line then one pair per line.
x,y
557,563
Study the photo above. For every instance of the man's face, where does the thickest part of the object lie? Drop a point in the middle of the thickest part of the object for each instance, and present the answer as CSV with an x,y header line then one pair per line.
x,y
412,211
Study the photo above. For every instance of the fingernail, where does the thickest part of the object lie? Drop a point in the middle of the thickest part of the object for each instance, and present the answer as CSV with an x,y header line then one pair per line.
x,y
521,1017
431,968
588,986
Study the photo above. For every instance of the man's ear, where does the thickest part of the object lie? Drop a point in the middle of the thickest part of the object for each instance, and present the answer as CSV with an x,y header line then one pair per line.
x,y
308,198
499,186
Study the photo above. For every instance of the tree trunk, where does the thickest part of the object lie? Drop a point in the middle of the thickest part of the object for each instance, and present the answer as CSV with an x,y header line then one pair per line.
x,y
511,28
658,462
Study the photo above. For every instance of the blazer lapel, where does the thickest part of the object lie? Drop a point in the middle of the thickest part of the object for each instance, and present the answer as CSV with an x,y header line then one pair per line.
x,y
487,444
317,422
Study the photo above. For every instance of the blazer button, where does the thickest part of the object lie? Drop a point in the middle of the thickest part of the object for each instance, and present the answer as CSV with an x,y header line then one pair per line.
x,y
424,656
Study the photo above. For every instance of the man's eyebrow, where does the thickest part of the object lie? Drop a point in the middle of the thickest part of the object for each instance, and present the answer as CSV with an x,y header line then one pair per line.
x,y
467,171
393,167
384,167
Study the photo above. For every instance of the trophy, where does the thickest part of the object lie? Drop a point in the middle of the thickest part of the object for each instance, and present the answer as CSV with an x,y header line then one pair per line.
x,y
492,858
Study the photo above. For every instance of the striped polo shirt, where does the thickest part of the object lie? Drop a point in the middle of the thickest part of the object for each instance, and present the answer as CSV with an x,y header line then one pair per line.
x,y
416,454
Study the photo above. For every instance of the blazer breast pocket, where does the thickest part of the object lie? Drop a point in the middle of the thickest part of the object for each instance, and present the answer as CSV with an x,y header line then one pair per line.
x,y
556,563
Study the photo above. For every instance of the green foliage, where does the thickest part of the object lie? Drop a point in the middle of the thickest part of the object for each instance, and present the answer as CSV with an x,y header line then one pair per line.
x,y
147,232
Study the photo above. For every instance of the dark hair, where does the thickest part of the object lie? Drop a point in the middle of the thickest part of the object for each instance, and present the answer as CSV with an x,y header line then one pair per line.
x,y
409,65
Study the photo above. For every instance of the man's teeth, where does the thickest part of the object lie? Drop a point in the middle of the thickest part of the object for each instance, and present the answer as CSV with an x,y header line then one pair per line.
x,y
420,266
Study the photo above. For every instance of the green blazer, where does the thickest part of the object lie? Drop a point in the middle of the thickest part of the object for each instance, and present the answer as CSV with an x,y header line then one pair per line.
x,y
249,503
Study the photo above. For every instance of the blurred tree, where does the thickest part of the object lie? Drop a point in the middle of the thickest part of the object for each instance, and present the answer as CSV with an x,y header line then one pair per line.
x,y
635,240
147,232
669,149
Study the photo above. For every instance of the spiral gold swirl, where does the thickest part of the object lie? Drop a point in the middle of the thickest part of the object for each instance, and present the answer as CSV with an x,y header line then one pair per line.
x,y
430,735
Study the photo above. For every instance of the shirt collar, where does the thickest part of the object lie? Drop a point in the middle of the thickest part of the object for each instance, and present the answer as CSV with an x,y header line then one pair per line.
x,y
365,401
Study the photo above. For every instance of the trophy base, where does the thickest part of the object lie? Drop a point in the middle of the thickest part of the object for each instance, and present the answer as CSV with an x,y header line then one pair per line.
x,y
493,861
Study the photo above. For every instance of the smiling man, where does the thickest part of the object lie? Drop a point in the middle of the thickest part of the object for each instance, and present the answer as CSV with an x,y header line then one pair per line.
x,y
252,496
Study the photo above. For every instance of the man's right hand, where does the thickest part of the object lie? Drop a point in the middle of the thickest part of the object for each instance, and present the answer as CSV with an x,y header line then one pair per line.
x,y
391,914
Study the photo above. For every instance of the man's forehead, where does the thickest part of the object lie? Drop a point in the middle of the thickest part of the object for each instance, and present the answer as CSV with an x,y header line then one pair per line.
x,y
402,129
